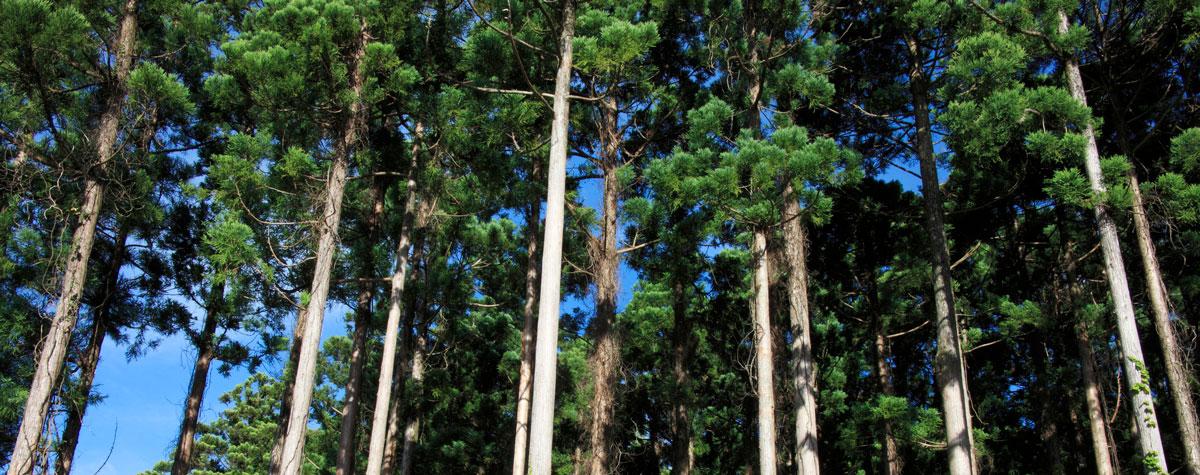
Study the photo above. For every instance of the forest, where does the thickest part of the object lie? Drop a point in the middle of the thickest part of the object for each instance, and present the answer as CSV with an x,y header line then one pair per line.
x,y
609,236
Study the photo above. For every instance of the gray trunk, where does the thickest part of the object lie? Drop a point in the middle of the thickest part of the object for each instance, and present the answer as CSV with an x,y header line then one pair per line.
x,y
525,383
804,394
764,359
291,459
1133,363
53,350
541,427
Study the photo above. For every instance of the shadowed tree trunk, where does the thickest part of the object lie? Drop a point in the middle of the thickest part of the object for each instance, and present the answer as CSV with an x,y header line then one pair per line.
x,y
525,383
53,351
101,318
803,372
412,430
207,350
951,377
358,352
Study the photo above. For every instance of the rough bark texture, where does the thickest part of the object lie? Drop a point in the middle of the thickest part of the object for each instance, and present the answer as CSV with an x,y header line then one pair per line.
x,y
101,318
412,430
803,371
764,358
525,383
292,458
952,382
383,394
289,386
682,452
393,443
207,350
1133,363
892,463
606,355
53,350
541,427
358,352
1177,377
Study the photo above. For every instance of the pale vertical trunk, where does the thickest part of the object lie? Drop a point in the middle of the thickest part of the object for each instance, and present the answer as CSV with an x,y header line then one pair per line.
x,y
289,386
207,351
53,350
1177,375
952,381
525,383
1133,362
413,428
541,427
383,395
1097,424
803,372
88,363
764,359
606,355
393,442
358,351
292,457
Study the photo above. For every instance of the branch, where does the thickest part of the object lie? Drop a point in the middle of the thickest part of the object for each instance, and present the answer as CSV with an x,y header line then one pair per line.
x,y
967,255
905,332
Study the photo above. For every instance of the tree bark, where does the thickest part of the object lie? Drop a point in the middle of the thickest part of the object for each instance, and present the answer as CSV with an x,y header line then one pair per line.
x,y
101,319
525,383
413,428
207,350
764,361
54,349
358,352
606,356
803,371
952,381
292,458
383,394
541,428
1177,375
682,453
1133,363
892,463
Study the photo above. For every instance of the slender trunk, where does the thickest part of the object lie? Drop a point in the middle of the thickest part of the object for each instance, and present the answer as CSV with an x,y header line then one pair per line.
x,y
764,360
525,383
541,427
292,458
952,381
54,349
1133,362
1087,366
358,352
383,395
682,454
289,386
606,356
892,463
393,443
413,428
1177,375
101,316
207,347
803,372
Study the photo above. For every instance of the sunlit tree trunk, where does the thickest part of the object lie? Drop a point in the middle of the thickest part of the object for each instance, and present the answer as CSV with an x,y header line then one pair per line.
x,y
525,383
803,372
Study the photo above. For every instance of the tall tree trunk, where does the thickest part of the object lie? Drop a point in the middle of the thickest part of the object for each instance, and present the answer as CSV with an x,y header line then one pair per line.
x,y
1098,426
292,458
893,463
393,443
606,356
1133,362
383,395
413,428
952,381
358,351
525,383
1177,376
53,350
764,358
289,386
101,317
207,347
803,372
541,427
682,454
